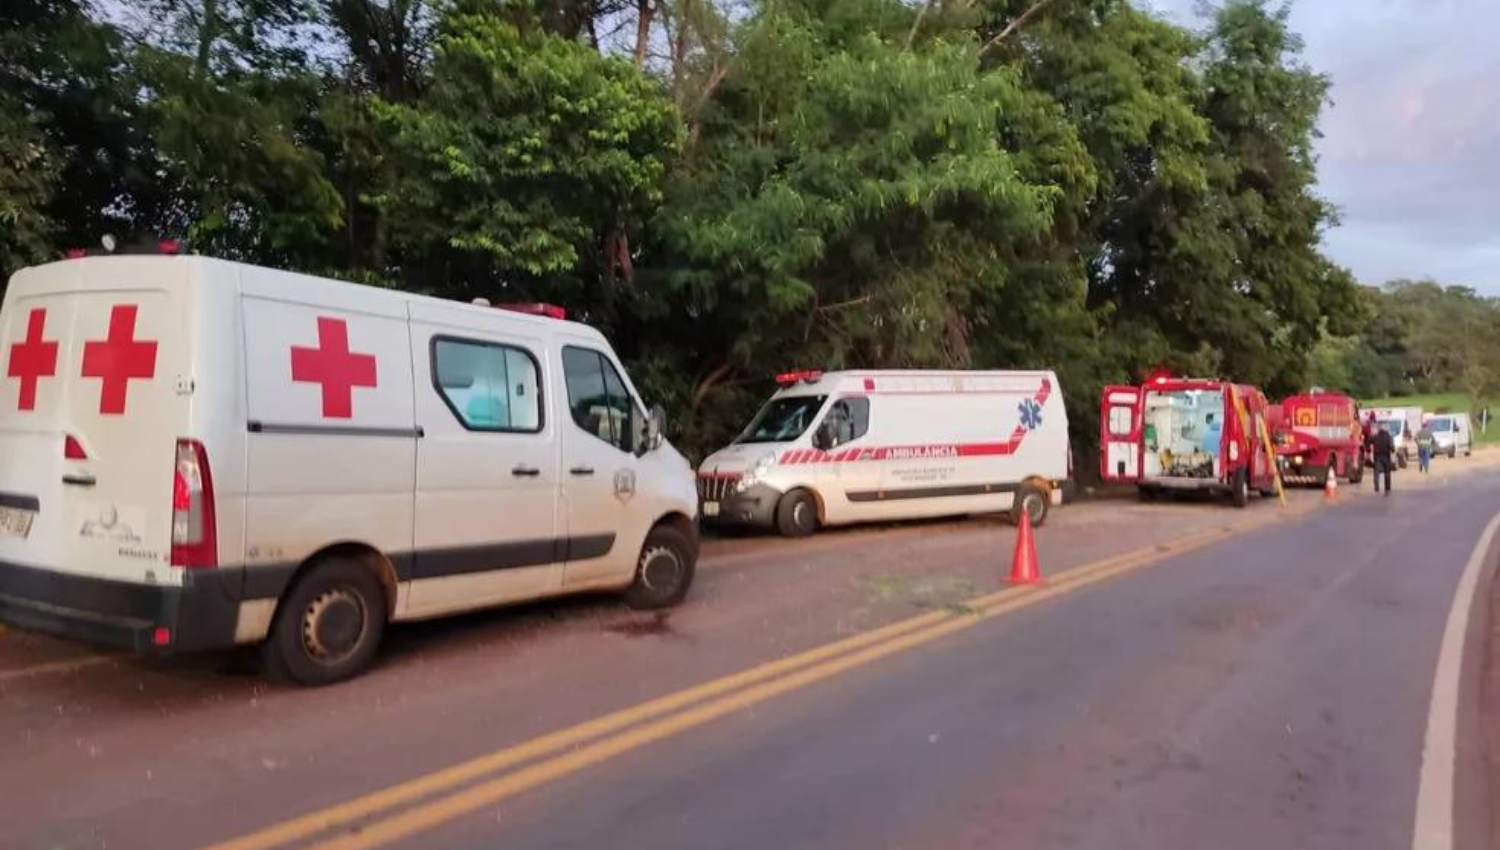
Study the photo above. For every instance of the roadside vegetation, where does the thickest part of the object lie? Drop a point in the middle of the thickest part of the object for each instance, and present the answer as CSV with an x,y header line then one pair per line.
x,y
730,189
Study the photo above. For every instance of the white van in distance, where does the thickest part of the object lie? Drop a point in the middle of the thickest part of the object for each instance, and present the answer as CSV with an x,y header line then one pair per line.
x,y
197,453
1452,434
848,447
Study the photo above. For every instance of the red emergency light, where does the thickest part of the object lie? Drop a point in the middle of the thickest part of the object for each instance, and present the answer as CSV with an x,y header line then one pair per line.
x,y
535,308
787,379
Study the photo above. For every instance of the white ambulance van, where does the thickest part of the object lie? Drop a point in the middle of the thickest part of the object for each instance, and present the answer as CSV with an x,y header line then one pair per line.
x,y
849,447
197,453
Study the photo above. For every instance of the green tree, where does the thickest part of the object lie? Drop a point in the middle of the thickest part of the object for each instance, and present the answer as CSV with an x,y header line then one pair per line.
x,y
529,160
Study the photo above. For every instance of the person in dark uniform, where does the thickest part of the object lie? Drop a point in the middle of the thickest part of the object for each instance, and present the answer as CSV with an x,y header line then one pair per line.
x,y
1383,448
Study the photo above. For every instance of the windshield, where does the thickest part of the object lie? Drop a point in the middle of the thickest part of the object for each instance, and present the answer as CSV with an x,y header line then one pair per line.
x,y
783,419
1440,425
1395,426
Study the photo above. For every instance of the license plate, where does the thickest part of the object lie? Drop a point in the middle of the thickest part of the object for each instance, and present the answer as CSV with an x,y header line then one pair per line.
x,y
15,522
710,508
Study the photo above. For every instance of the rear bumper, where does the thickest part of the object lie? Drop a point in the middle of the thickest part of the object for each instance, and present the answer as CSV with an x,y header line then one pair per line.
x,y
200,614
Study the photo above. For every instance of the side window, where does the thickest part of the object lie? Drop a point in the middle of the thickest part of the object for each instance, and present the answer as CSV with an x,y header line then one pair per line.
x,y
849,419
597,398
1120,420
488,386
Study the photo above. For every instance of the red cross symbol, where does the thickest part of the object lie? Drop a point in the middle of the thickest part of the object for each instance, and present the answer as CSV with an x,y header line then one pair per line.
x,y
117,358
332,366
32,358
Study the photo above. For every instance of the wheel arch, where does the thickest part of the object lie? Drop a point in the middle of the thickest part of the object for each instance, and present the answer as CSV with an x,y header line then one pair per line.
x,y
372,559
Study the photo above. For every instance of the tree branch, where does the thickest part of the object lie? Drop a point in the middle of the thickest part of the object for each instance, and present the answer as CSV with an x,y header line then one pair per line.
x,y
1015,25
917,24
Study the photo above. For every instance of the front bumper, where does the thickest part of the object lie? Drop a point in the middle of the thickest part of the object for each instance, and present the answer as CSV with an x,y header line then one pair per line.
x,y
200,614
755,507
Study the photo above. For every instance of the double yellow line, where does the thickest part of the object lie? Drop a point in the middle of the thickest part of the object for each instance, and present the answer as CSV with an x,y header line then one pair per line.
x,y
387,816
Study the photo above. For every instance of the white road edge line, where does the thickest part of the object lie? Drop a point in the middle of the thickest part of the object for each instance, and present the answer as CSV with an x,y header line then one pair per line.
x,y
1435,795
55,667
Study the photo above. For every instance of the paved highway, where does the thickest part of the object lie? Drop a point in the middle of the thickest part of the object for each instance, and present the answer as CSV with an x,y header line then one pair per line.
x,y
1190,676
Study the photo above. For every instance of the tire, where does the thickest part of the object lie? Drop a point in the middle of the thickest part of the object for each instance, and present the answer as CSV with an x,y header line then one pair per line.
x,y
328,627
1036,500
1239,494
664,571
797,514
1148,494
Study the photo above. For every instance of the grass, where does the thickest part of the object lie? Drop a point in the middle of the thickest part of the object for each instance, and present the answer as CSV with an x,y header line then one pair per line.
x,y
1454,403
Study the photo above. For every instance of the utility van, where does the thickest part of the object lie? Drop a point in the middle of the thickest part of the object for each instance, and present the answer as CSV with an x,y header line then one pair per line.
x,y
1174,434
1403,423
197,453
1452,434
860,446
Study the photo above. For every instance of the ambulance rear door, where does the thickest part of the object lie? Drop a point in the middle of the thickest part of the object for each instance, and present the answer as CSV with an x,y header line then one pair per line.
x,y
1120,433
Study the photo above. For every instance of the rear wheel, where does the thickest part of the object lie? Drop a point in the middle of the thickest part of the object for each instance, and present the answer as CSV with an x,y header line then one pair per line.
x,y
329,625
1036,500
664,571
1239,494
797,514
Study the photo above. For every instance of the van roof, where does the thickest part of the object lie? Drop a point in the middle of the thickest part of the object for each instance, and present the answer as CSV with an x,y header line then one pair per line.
x,y
912,379
22,280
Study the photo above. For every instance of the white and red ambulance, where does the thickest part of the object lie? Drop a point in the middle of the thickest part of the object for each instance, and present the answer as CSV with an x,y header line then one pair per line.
x,y
861,446
197,453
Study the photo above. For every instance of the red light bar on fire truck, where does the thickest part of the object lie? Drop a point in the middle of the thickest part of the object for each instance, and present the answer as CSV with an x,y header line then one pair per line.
x,y
787,379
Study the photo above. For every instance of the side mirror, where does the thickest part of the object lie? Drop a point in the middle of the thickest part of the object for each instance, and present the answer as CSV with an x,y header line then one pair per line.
x,y
656,428
824,438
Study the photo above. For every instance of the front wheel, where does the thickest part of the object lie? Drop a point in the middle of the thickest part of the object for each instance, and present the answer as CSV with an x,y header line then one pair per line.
x,y
328,627
664,571
797,514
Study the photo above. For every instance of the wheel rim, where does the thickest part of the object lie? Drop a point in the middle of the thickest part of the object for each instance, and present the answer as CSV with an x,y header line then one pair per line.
x,y
800,515
1033,505
661,569
334,625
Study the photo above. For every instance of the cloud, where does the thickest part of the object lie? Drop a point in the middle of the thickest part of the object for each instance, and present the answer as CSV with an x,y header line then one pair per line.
x,y
1411,146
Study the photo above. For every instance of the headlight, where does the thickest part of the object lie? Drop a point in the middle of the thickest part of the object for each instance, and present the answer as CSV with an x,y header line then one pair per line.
x,y
757,472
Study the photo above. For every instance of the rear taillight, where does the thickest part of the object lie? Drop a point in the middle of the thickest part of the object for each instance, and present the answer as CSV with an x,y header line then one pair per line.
x,y
73,450
194,532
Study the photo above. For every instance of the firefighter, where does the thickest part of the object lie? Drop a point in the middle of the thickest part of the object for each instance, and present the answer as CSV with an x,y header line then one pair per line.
x,y
1383,449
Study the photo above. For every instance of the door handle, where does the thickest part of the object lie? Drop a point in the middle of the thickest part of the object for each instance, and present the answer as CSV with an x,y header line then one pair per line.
x,y
526,471
582,470
80,480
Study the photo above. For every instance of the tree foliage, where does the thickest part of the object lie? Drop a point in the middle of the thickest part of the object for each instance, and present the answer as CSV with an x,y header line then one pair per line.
x,y
733,189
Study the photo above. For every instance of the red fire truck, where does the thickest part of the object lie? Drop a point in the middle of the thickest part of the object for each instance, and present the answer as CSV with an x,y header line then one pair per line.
x,y
1177,434
1318,432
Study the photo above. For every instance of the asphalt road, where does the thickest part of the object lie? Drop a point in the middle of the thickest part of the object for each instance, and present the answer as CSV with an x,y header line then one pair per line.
x,y
1193,676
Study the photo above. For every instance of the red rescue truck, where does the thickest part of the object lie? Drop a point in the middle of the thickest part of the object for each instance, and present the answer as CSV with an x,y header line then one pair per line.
x,y
1176,434
1318,433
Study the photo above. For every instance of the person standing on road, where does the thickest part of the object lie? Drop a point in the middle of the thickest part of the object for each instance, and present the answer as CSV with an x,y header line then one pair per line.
x,y
1425,444
1383,449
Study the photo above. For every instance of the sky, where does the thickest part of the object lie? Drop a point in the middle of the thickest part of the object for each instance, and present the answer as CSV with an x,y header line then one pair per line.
x,y
1410,152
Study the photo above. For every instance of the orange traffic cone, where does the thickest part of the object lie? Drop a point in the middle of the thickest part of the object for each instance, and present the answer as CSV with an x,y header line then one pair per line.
x,y
1023,568
1331,487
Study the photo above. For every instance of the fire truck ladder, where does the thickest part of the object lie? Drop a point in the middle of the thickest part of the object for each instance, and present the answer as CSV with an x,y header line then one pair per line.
x,y
1265,439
